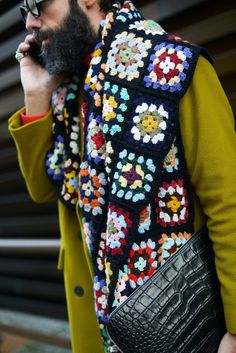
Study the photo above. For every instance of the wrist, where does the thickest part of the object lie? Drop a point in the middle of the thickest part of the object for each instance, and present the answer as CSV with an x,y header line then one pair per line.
x,y
37,104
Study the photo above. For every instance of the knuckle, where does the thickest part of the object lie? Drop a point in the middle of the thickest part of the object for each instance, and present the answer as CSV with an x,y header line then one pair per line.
x,y
28,38
20,46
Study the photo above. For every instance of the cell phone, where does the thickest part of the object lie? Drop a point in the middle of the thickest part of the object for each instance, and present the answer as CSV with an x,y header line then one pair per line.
x,y
35,53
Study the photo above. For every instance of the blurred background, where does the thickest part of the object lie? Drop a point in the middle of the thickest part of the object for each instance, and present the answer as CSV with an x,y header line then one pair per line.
x,y
32,298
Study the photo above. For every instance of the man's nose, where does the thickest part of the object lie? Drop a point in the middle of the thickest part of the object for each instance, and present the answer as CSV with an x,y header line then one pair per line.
x,y
32,23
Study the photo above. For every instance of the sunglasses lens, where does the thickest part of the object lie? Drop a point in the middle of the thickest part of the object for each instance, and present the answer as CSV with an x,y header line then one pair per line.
x,y
32,6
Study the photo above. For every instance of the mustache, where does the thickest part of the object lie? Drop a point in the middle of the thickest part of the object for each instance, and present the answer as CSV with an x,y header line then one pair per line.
x,y
39,36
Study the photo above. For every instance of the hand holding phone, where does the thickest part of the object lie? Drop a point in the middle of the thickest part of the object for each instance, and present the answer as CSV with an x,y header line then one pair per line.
x,y
37,83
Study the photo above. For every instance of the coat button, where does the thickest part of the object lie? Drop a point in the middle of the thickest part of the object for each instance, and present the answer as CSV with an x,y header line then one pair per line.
x,y
79,291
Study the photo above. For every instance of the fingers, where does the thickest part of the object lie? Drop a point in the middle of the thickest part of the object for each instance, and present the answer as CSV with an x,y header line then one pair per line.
x,y
30,38
24,46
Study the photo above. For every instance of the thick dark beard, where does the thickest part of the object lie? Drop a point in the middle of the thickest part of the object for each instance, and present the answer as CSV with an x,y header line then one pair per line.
x,y
69,43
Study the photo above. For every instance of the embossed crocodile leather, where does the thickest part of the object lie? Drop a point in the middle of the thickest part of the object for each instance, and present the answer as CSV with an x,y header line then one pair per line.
x,y
178,310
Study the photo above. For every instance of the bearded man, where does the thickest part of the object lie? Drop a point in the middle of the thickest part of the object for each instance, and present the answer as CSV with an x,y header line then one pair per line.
x,y
139,143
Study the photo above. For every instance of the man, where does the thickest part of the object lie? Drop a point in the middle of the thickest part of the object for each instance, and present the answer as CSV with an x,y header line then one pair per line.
x,y
118,171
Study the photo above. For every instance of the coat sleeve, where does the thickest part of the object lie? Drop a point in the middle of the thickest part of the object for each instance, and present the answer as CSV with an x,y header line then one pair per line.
x,y
32,142
208,132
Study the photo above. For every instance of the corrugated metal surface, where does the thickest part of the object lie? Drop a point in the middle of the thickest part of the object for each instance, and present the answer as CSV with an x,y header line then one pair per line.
x,y
29,281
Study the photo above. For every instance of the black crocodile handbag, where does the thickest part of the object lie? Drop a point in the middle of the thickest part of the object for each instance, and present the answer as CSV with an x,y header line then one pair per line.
x,y
178,309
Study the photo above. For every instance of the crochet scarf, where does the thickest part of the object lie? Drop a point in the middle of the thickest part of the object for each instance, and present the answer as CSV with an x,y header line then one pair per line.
x,y
63,160
131,183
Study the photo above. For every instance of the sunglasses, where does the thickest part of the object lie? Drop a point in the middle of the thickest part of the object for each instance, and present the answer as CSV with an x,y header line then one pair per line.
x,y
32,6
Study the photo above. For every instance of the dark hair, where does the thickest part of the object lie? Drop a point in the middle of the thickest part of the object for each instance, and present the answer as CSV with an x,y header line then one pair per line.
x,y
105,5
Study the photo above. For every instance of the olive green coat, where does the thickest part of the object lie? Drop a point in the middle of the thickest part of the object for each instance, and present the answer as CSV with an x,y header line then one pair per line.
x,y
207,127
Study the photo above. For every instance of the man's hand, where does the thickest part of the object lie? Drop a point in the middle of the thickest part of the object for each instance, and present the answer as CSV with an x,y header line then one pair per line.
x,y
228,344
38,84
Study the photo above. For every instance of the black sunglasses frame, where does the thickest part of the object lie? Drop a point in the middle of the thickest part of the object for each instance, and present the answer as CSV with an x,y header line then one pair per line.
x,y
34,10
